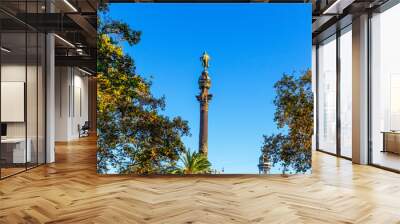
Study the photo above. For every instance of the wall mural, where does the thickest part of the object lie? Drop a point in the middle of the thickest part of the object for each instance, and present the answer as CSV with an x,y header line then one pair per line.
x,y
204,89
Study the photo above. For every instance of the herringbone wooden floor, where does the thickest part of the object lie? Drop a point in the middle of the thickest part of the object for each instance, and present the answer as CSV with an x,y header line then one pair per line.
x,y
70,191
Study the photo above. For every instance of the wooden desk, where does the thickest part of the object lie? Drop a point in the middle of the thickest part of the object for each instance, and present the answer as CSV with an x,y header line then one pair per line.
x,y
13,150
391,141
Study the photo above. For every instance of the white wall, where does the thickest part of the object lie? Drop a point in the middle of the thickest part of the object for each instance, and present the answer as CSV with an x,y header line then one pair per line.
x,y
33,126
80,109
14,72
71,102
62,82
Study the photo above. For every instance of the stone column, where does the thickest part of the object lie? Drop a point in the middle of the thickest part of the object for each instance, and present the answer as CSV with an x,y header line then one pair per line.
x,y
50,98
360,90
50,91
204,98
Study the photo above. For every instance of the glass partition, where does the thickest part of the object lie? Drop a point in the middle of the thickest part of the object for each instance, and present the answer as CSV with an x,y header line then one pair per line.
x,y
13,94
327,95
346,92
22,89
385,89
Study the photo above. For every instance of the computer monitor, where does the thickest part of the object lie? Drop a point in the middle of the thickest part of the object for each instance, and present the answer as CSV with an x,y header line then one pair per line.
x,y
3,129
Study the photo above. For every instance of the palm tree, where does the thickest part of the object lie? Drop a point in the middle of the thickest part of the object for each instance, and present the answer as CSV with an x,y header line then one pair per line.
x,y
193,163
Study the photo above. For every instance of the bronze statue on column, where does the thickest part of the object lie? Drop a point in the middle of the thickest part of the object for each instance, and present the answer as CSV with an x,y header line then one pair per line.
x,y
204,97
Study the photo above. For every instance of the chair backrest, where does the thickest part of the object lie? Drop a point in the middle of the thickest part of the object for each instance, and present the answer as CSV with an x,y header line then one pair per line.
x,y
86,125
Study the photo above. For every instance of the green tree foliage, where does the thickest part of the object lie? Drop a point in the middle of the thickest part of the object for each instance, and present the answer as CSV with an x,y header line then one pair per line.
x,y
294,116
133,137
193,163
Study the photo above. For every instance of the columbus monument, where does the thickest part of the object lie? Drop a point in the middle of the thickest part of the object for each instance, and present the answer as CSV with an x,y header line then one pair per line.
x,y
204,97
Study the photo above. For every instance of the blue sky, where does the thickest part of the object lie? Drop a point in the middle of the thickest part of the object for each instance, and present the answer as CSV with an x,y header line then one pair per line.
x,y
251,46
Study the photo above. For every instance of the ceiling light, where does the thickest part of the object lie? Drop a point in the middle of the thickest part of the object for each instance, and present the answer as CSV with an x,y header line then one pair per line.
x,y
5,50
70,5
65,41
79,51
